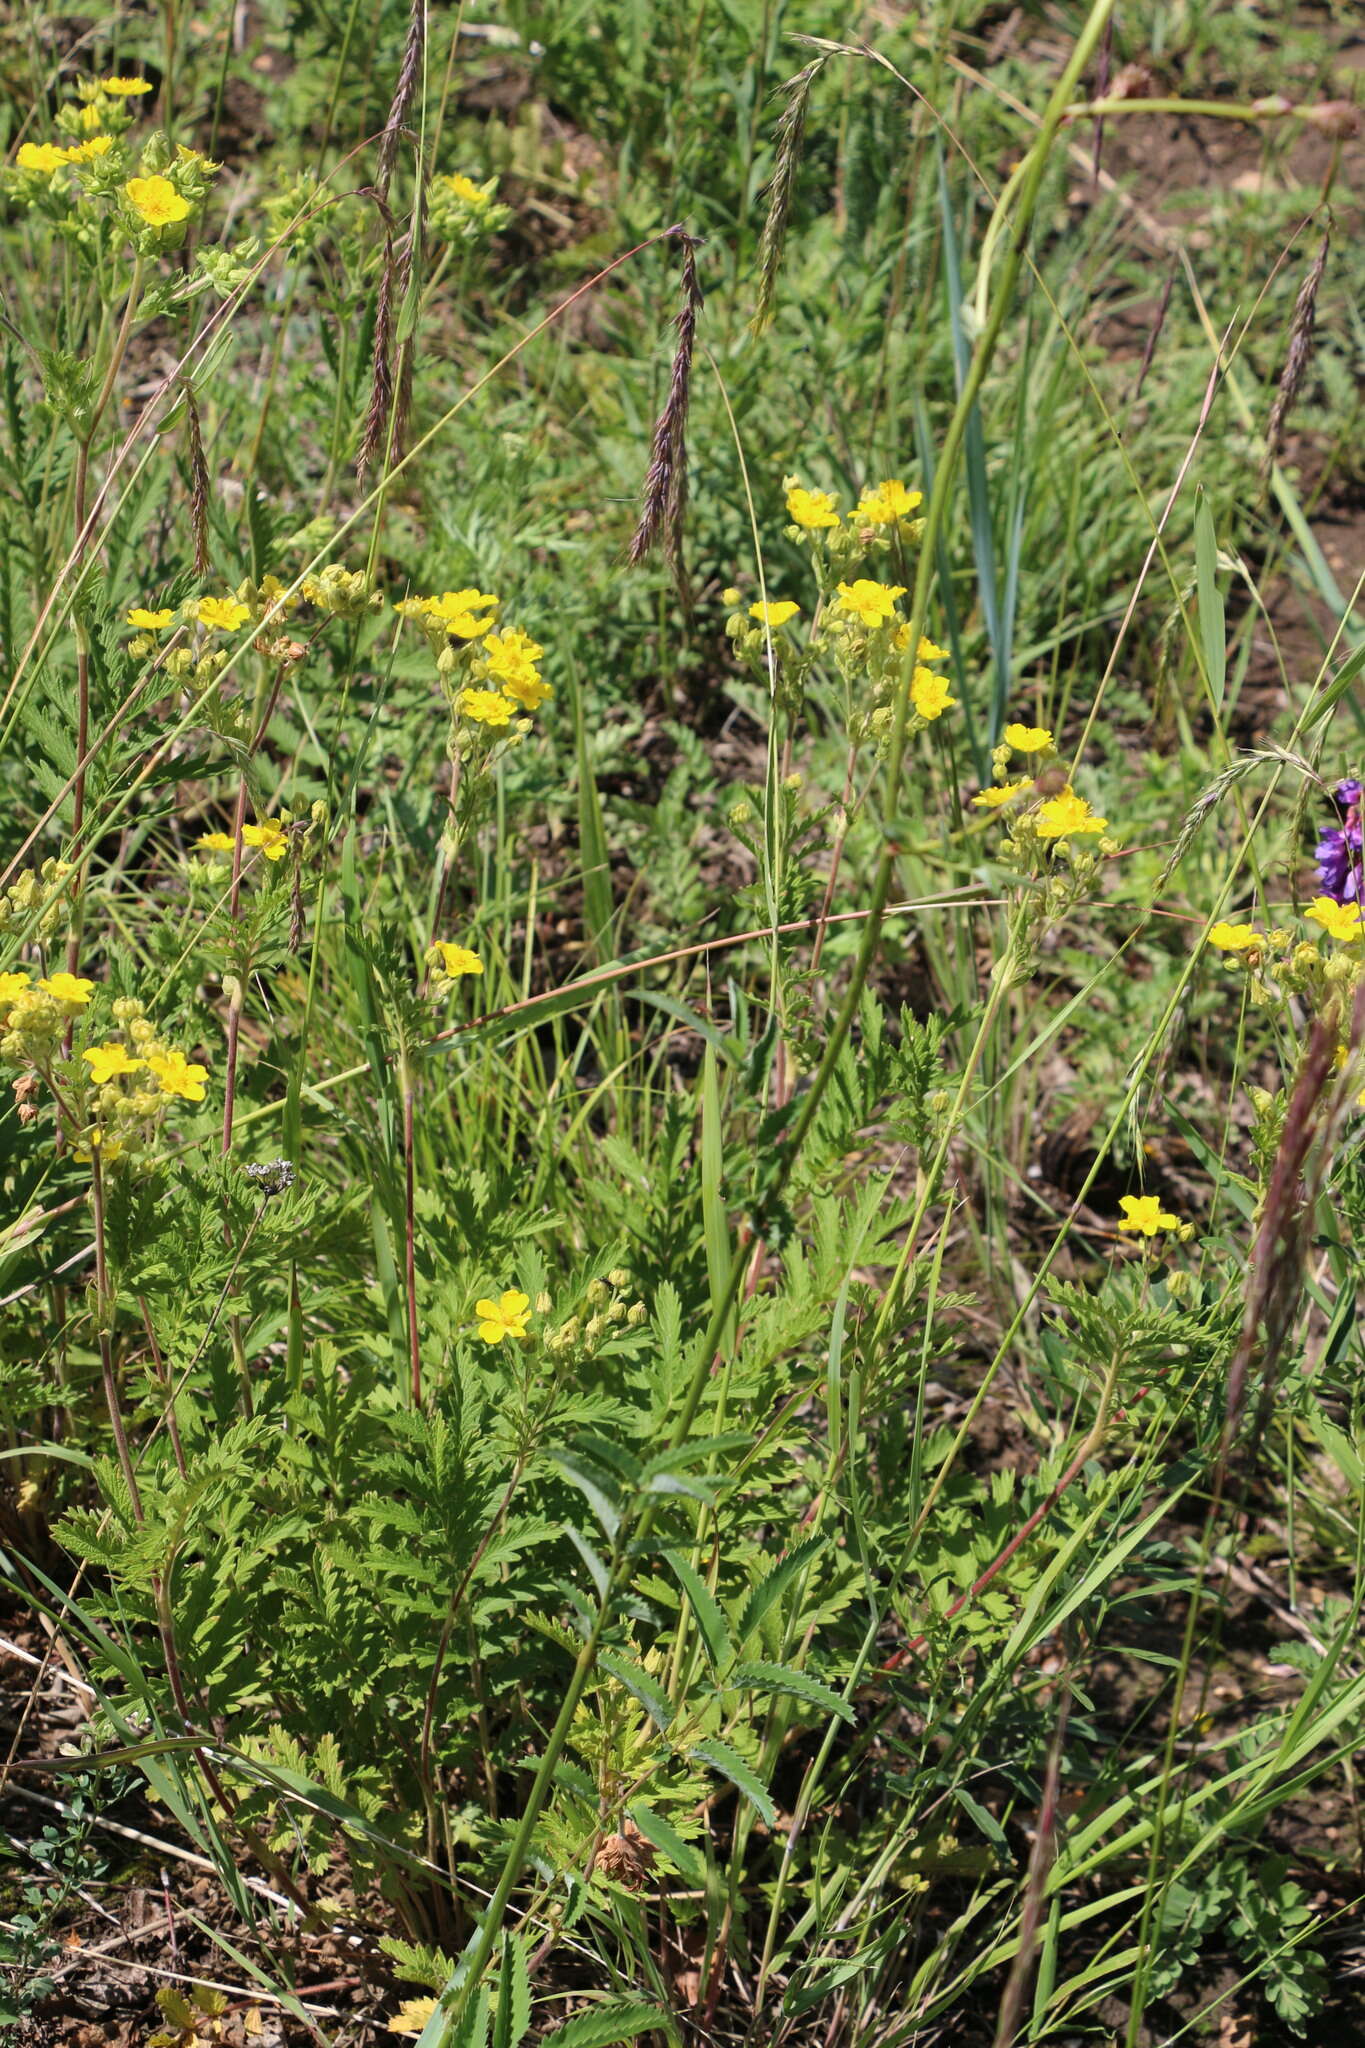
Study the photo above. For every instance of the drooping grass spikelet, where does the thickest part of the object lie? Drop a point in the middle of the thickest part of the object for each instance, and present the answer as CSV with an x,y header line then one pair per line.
x,y
381,364
409,72
1300,349
665,491
1210,799
199,483
791,129
1279,1255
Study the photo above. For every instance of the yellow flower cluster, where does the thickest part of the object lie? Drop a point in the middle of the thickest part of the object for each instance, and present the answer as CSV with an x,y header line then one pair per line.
x,y
153,197
885,505
114,1092
490,674
1060,817
337,592
859,621
46,158
268,837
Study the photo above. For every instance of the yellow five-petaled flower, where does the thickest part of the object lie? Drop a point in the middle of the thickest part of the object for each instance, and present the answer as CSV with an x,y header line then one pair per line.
x,y
870,603
929,693
452,959
1027,739
178,1075
506,1317
223,614
104,1061
1067,815
147,621
41,156
477,196
269,837
887,503
1144,1215
779,613
811,509
1233,938
1339,920
457,611
156,201
1002,793
72,989
485,707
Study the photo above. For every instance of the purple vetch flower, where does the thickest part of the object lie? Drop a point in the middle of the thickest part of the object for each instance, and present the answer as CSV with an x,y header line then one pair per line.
x,y
1339,848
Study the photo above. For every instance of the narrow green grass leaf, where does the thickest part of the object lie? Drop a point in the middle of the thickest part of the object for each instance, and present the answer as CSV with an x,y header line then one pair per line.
x,y
974,465
715,1222
1337,688
598,908
1212,627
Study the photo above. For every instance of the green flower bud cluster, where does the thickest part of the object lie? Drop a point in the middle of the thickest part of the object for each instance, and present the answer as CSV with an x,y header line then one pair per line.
x,y
607,1311
297,215
460,209
343,593
36,901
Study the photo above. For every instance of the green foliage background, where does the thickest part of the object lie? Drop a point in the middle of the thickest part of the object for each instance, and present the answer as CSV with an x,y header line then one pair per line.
x,y
929,1519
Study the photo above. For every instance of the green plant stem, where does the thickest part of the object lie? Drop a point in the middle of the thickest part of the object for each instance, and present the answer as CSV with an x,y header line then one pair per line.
x,y
80,544
103,1312
447,1629
407,1085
